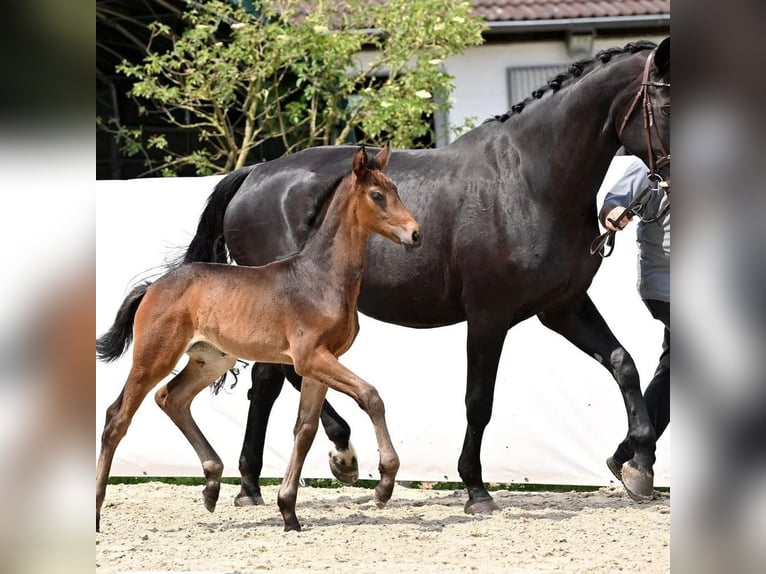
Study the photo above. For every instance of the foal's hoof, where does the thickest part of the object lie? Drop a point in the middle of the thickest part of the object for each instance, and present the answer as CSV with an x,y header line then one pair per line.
x,y
293,526
382,496
210,496
487,506
344,465
638,483
245,500
210,503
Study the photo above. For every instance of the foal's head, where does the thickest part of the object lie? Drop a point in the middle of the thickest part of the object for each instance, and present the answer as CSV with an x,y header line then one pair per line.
x,y
379,208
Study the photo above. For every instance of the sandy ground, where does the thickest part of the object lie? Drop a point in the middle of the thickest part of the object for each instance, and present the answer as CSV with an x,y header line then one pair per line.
x,y
155,526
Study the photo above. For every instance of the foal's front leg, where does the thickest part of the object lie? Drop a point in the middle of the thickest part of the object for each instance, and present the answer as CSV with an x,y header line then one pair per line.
x,y
324,366
312,397
267,384
343,462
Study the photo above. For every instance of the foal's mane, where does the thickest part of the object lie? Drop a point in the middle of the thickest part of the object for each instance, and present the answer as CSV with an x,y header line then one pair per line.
x,y
318,206
576,70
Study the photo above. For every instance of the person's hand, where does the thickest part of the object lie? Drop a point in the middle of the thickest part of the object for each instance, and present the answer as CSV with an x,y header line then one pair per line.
x,y
614,215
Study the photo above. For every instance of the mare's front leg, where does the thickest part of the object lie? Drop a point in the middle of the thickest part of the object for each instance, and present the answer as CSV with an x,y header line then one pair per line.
x,y
584,327
324,366
343,462
485,344
312,396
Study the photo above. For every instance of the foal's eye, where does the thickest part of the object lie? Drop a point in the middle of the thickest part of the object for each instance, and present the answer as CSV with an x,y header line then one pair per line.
x,y
376,196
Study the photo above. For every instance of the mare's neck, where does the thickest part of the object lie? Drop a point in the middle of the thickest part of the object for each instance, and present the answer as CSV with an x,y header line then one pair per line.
x,y
574,132
337,248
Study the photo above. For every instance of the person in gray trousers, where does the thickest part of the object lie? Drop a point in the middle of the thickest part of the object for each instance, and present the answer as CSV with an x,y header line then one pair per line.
x,y
653,286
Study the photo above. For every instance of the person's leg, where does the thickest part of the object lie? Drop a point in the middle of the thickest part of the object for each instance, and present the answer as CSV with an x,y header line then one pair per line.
x,y
657,394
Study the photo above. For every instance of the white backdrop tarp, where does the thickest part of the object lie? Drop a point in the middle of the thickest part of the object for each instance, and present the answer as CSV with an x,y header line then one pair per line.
x,y
557,413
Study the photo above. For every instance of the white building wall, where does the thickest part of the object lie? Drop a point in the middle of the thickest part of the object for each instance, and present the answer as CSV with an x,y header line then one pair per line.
x,y
481,89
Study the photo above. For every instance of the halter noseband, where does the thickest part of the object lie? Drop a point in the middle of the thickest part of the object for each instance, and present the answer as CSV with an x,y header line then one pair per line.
x,y
644,96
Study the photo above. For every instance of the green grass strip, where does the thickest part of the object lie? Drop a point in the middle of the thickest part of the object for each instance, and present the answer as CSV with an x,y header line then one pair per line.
x,y
332,483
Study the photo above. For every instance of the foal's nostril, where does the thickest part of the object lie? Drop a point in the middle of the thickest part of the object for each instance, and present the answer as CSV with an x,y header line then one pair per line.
x,y
415,238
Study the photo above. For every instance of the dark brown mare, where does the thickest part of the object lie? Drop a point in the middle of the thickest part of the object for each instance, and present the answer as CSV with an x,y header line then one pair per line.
x,y
509,213
299,311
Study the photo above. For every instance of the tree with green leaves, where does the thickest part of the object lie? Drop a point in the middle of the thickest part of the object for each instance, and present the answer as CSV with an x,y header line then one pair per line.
x,y
296,74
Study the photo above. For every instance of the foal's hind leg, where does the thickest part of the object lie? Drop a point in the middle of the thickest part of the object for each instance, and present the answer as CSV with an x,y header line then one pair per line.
x,y
343,462
312,395
140,381
205,366
584,327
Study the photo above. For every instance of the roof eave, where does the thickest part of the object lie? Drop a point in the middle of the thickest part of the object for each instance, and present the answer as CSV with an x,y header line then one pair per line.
x,y
579,24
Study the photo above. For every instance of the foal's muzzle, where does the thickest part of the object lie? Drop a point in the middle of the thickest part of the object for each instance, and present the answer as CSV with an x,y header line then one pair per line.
x,y
409,236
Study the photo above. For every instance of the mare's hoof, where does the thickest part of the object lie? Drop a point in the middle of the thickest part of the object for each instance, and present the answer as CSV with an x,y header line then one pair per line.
x,y
344,466
245,500
481,506
638,483
615,467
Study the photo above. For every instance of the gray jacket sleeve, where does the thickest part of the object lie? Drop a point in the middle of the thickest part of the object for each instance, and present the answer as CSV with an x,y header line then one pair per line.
x,y
633,182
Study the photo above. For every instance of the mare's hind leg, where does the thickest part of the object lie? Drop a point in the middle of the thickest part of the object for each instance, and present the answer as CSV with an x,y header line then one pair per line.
x,y
205,365
584,327
142,377
312,396
267,384
343,462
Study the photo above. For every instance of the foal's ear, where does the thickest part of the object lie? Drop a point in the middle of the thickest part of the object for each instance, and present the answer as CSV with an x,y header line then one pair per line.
x,y
662,57
381,160
360,162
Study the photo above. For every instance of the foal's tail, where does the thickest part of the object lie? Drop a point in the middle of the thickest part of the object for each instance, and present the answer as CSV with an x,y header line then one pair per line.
x,y
112,344
208,244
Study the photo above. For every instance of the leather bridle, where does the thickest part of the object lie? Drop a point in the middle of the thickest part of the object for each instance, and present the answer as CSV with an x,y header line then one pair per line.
x,y
604,243
644,97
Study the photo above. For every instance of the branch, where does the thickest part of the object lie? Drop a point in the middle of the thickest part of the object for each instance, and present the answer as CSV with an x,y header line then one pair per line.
x,y
114,25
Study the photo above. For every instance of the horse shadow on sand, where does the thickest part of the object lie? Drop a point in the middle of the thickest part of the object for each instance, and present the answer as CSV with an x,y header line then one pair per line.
x,y
557,506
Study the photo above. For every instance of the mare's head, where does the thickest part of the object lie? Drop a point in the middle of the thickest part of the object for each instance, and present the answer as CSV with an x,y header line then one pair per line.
x,y
379,209
644,125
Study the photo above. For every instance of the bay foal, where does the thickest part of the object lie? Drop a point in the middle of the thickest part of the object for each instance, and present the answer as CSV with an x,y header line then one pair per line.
x,y
301,311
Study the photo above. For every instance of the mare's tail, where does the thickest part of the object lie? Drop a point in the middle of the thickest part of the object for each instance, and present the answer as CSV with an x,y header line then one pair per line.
x,y
208,244
112,344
